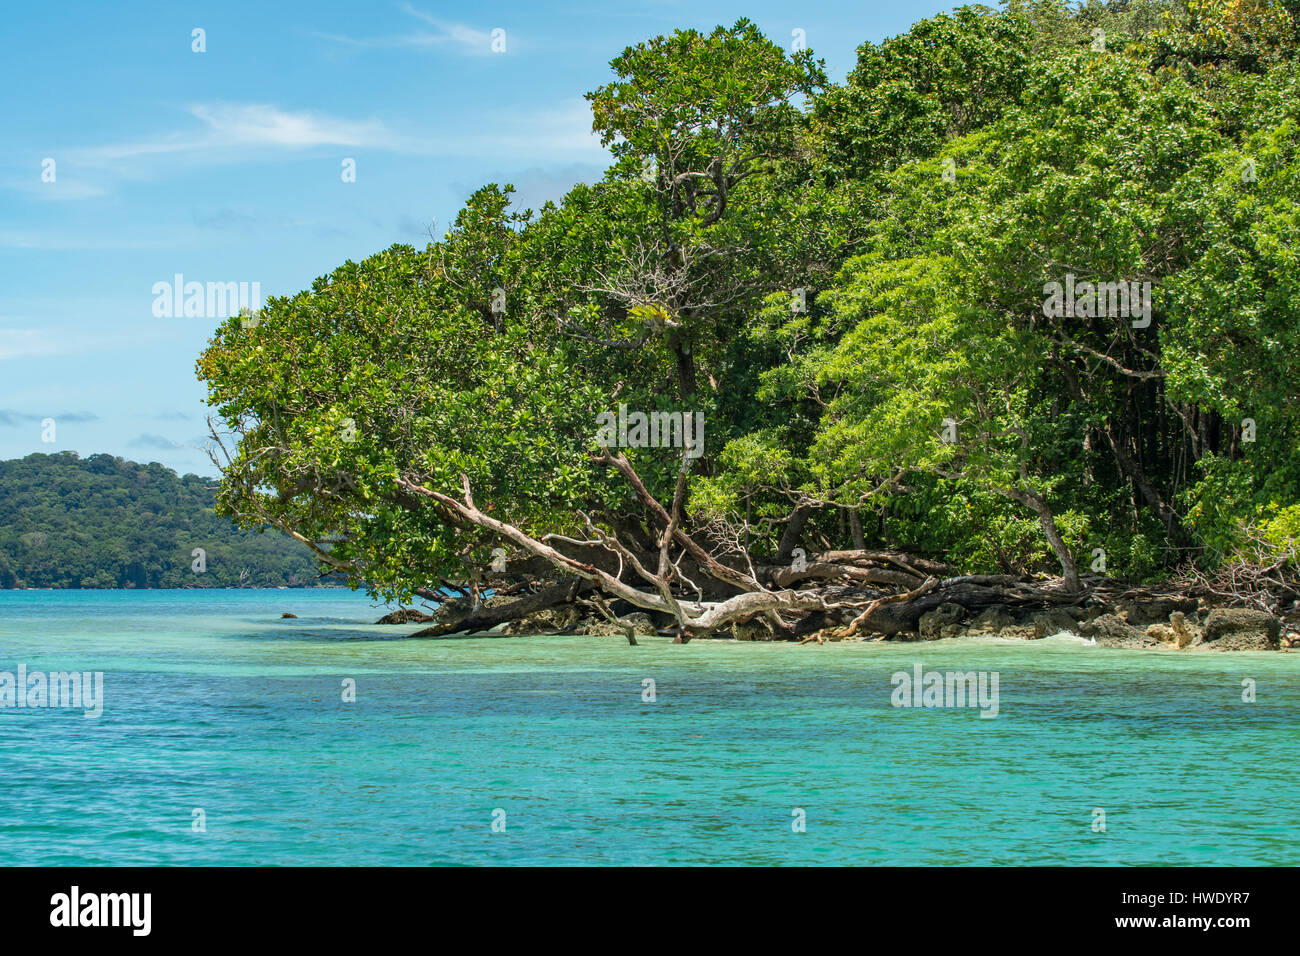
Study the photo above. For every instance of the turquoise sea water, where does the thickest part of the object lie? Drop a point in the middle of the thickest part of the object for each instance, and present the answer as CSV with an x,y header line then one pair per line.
x,y
213,702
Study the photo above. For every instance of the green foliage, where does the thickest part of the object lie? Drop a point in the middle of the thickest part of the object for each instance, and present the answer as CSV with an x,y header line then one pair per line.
x,y
1107,167
103,522
1281,529
684,99
837,276
948,76
1217,503
398,366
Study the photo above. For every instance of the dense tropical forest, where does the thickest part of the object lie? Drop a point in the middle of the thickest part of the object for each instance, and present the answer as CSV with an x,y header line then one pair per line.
x,y
103,522
1012,310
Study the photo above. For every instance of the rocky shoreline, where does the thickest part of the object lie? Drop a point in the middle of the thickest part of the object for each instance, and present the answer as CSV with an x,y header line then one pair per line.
x,y
1174,624
1148,622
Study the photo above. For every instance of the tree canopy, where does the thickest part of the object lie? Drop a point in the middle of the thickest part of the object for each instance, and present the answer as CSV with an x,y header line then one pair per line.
x,y
1019,292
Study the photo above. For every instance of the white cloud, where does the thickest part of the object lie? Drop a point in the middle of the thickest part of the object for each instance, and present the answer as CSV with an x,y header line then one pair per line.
x,y
261,125
456,37
239,132
232,127
148,440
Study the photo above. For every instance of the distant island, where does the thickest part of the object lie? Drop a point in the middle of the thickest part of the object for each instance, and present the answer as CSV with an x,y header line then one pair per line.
x,y
105,522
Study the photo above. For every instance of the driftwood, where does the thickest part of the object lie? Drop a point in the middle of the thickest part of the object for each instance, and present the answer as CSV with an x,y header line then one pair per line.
x,y
1262,575
891,602
657,557
901,559
602,608
822,571
875,605
860,566
486,618
706,592
973,593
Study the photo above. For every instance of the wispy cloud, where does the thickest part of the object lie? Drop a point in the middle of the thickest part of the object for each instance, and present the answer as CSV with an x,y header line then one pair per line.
x,y
10,418
236,127
250,222
263,125
453,37
239,132
148,440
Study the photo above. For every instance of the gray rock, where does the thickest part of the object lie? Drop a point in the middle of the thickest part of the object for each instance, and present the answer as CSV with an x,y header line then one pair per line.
x,y
1019,632
1053,621
1110,630
551,620
405,615
991,620
748,631
452,610
1240,629
943,621
1092,612
641,623
455,609
1141,612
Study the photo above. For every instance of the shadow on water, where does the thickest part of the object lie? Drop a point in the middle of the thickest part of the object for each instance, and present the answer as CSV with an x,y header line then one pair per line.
x,y
340,630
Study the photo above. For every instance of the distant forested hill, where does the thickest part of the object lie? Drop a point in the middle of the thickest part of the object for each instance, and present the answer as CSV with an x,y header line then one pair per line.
x,y
104,522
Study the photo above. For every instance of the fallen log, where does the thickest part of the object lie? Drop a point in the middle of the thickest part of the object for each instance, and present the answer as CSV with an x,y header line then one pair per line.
x,y
485,617
784,577
875,605
900,559
900,612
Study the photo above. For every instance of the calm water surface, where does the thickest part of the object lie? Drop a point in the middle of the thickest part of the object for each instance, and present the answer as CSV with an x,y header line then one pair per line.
x,y
214,702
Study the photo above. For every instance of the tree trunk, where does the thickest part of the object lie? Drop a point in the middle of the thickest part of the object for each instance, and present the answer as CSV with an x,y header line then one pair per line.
x,y
1133,470
685,368
855,526
1047,521
790,537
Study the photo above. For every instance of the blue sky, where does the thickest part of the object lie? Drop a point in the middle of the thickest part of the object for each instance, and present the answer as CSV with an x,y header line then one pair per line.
x,y
225,166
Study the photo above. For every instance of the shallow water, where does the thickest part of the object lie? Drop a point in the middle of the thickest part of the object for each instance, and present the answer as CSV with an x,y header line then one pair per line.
x,y
213,702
